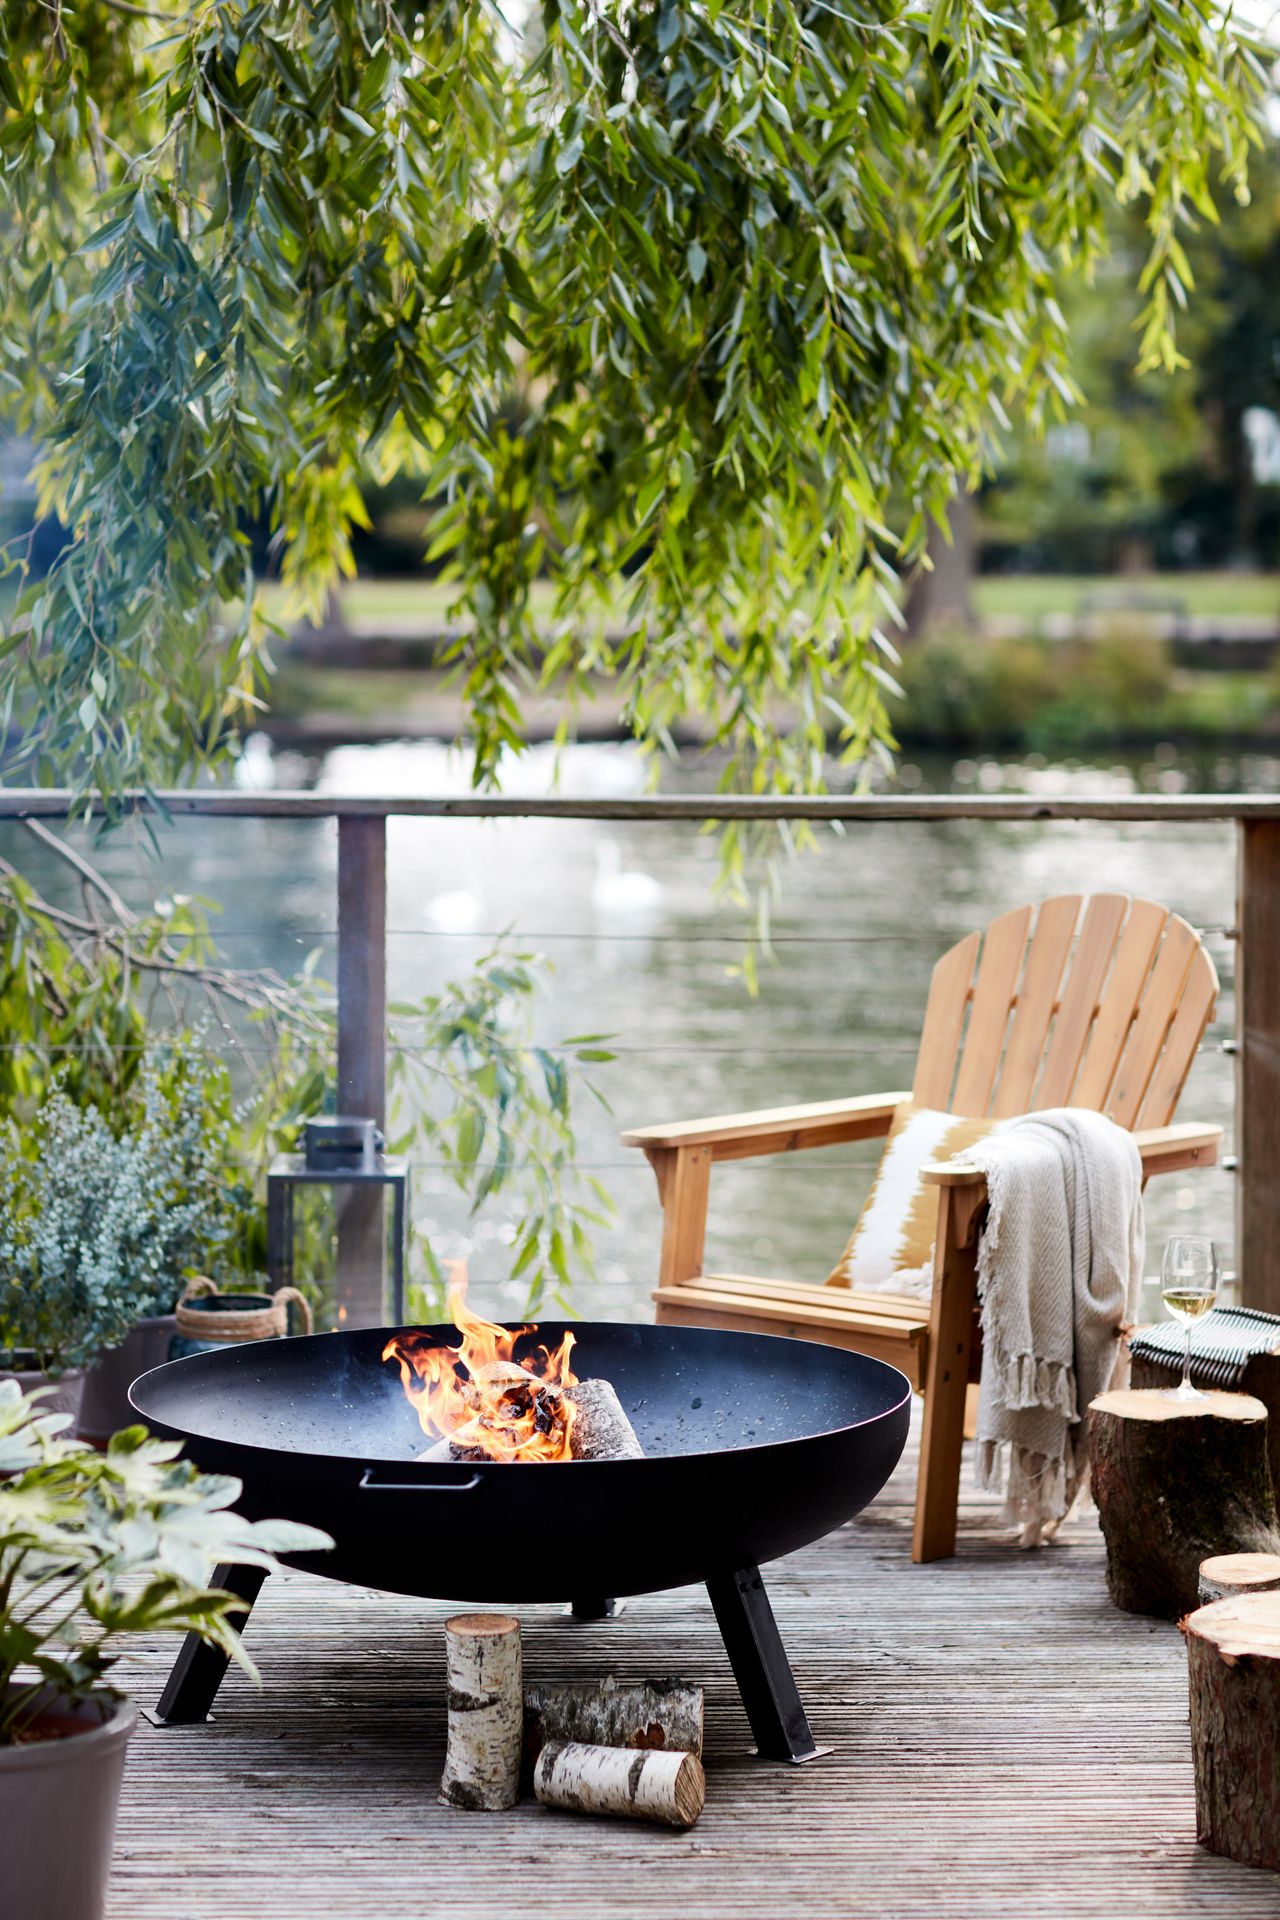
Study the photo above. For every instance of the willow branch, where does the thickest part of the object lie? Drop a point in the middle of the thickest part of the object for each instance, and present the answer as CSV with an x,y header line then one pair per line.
x,y
257,992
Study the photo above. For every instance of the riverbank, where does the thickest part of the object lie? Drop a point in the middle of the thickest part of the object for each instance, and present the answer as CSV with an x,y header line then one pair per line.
x,y
964,695
1029,598
1057,665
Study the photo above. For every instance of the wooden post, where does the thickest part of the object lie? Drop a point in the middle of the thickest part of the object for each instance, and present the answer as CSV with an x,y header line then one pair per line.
x,y
1258,1065
362,1053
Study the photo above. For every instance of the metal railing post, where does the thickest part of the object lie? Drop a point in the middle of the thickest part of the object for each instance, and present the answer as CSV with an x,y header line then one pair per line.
x,y
1258,1065
362,1053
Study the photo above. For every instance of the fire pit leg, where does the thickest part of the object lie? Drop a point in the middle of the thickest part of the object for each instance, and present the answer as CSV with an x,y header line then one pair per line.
x,y
594,1609
197,1672
761,1669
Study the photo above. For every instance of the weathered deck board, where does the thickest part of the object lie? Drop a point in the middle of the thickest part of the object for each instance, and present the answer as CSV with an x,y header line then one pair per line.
x,y
1006,1745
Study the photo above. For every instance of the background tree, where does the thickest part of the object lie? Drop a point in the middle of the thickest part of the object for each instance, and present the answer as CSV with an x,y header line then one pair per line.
x,y
1160,469
764,277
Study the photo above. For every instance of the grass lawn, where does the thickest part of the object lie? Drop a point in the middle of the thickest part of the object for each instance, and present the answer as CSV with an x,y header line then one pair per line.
x,y
1030,596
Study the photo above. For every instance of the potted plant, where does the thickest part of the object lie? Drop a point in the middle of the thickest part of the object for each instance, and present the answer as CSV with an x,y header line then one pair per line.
x,y
94,1547
101,1225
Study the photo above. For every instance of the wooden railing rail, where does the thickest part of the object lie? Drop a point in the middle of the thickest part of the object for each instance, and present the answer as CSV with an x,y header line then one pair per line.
x,y
52,803
361,921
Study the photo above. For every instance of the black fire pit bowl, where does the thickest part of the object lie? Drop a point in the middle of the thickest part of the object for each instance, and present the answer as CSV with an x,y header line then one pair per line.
x,y
754,1446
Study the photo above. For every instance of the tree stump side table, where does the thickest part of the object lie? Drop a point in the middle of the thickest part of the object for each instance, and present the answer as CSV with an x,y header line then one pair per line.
x,y
1233,1669
1176,1482
1234,1349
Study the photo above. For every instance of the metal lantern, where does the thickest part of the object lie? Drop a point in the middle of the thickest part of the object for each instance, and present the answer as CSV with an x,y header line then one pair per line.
x,y
339,1150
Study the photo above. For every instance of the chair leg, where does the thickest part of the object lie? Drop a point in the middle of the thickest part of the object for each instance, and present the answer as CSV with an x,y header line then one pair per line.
x,y
955,1293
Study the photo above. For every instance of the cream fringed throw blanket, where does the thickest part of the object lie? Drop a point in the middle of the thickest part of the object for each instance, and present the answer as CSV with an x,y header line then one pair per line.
x,y
1059,1268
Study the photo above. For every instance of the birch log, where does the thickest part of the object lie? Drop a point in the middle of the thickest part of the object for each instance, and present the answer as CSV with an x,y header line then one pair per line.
x,y
486,1711
665,1787
601,1430
1233,1660
1227,1574
657,1715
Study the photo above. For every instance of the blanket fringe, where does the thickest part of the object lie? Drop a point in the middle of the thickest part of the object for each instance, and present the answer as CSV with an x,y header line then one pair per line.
x,y
1037,1489
1027,1380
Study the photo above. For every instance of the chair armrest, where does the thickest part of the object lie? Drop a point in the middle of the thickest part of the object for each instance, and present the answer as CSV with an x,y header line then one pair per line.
x,y
1170,1149
741,1136
1163,1150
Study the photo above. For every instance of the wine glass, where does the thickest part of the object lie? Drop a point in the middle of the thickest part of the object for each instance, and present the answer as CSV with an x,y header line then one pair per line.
x,y
1188,1287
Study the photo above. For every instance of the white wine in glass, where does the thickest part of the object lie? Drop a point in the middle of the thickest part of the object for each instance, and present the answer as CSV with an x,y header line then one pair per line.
x,y
1188,1286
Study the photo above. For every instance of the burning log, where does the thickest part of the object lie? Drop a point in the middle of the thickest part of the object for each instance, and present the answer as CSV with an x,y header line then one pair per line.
x,y
485,1695
657,1715
666,1787
600,1430
500,1396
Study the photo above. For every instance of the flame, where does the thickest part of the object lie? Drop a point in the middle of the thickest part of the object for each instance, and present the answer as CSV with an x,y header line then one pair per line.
x,y
479,1394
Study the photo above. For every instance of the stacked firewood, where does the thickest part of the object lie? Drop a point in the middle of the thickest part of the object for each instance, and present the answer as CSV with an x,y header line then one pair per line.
x,y
613,1749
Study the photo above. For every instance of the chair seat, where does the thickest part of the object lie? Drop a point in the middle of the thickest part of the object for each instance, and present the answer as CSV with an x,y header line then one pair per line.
x,y
888,1326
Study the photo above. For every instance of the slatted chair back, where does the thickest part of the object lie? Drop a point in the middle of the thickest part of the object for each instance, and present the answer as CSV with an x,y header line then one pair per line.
x,y
1094,1002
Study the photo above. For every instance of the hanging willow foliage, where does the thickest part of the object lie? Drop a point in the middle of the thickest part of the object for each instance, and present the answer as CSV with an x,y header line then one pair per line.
x,y
722,296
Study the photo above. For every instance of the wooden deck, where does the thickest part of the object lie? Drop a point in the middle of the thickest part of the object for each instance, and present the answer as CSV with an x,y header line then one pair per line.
x,y
1006,1744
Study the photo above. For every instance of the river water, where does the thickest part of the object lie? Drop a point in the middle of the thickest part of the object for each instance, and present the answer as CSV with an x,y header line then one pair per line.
x,y
642,951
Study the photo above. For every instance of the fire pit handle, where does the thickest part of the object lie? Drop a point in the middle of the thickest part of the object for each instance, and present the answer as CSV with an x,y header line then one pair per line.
x,y
369,1485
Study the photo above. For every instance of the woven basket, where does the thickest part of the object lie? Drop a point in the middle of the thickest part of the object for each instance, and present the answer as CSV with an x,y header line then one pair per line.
x,y
270,1321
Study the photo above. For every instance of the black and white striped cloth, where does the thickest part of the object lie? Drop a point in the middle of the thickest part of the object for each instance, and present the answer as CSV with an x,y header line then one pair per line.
x,y
1222,1343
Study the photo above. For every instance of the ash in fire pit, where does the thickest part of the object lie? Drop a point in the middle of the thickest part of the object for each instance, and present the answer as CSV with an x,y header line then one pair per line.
x,y
502,1396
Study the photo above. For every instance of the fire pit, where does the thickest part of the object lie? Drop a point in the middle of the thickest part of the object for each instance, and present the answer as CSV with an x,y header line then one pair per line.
x,y
753,1446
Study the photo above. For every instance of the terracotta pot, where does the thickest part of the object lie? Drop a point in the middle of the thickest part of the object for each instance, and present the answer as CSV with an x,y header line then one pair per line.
x,y
58,1801
67,1388
105,1407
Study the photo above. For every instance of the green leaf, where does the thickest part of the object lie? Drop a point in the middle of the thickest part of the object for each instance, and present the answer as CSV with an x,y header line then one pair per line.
x,y
568,156
358,121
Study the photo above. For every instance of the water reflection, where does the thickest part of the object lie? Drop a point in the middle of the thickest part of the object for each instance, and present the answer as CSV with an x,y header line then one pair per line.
x,y
643,951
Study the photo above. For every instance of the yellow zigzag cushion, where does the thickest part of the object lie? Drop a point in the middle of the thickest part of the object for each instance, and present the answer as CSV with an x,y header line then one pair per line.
x,y
891,1248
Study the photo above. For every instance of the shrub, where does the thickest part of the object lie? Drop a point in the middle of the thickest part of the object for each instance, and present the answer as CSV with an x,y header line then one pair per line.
x,y
99,1227
961,689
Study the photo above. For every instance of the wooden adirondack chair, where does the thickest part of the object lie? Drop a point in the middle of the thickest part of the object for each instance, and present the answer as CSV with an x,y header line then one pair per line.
x,y
1097,1003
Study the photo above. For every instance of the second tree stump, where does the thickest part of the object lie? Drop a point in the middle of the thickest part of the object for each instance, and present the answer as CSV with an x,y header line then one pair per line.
x,y
1229,1574
1233,1654
1175,1482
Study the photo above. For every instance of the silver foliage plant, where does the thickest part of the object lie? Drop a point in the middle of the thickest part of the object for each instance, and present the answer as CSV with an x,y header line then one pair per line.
x,y
98,1226
96,1548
